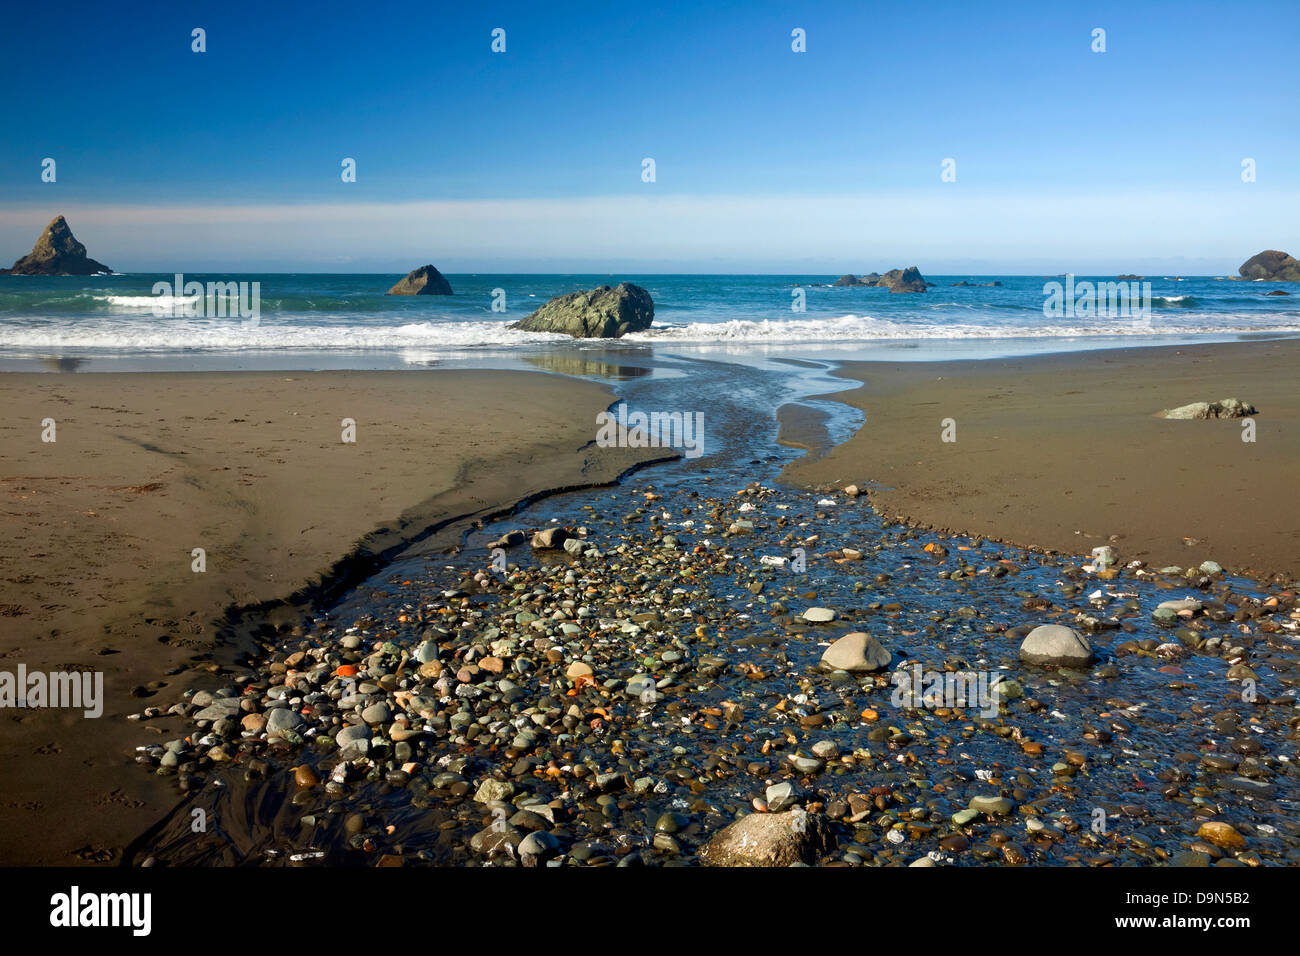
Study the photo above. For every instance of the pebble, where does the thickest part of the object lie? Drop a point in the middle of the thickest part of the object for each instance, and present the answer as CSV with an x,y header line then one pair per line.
x,y
1221,835
281,719
993,805
782,796
819,615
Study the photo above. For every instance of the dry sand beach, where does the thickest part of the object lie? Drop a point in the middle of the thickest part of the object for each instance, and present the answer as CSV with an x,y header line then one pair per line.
x,y
1065,452
98,527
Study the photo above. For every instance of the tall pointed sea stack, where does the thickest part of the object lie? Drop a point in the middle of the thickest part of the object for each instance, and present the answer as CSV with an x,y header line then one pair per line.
x,y
57,253
425,280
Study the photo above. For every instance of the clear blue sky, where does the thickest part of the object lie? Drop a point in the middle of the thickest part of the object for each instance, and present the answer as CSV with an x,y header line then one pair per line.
x,y
1064,157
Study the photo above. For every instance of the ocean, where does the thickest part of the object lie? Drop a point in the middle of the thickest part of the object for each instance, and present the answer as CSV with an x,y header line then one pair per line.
x,y
333,320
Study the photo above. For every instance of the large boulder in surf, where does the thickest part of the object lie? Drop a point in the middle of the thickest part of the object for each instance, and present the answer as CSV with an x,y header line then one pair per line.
x,y
425,280
57,253
1271,266
903,280
601,313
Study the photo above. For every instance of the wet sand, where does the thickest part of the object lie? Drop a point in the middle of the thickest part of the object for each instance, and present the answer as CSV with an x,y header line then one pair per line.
x,y
1065,452
97,531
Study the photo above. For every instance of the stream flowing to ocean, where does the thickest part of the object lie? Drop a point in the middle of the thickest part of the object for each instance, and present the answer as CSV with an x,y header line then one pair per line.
x,y
621,701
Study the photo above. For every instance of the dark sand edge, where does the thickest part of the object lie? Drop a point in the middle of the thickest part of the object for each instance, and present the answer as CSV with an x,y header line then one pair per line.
x,y
804,427
72,793
1065,452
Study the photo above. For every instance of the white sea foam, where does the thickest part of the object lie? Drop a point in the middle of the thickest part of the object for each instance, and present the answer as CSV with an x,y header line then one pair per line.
x,y
147,302
867,329
125,332
135,336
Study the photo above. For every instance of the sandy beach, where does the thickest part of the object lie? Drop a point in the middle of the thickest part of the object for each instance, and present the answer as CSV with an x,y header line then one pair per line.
x,y
1065,452
98,528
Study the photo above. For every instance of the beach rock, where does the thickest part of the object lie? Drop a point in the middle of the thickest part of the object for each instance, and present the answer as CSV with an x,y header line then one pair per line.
x,y
549,538
601,313
1104,557
425,280
1221,835
903,280
856,653
641,686
253,723
1271,266
303,777
999,806
1201,411
782,796
578,669
493,791
848,280
768,839
1055,644
219,708
57,253
538,847
351,734
281,719
1278,292
819,615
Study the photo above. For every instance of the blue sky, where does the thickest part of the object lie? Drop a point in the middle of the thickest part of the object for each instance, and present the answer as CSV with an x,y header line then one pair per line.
x,y
766,159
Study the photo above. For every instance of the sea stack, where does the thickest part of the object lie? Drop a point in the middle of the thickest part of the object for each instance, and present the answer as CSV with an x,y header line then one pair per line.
x,y
601,313
895,280
425,280
903,280
1271,266
57,253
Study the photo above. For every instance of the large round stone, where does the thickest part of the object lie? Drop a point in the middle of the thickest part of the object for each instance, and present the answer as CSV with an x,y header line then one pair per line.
x,y
1054,644
856,653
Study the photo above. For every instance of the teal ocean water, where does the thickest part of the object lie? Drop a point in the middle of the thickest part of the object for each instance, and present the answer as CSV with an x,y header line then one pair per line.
x,y
349,314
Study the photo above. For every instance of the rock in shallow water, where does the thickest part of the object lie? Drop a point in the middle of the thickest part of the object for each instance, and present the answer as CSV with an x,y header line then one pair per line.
x,y
598,313
1055,644
1221,834
768,839
995,805
856,653
550,538
782,796
819,615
